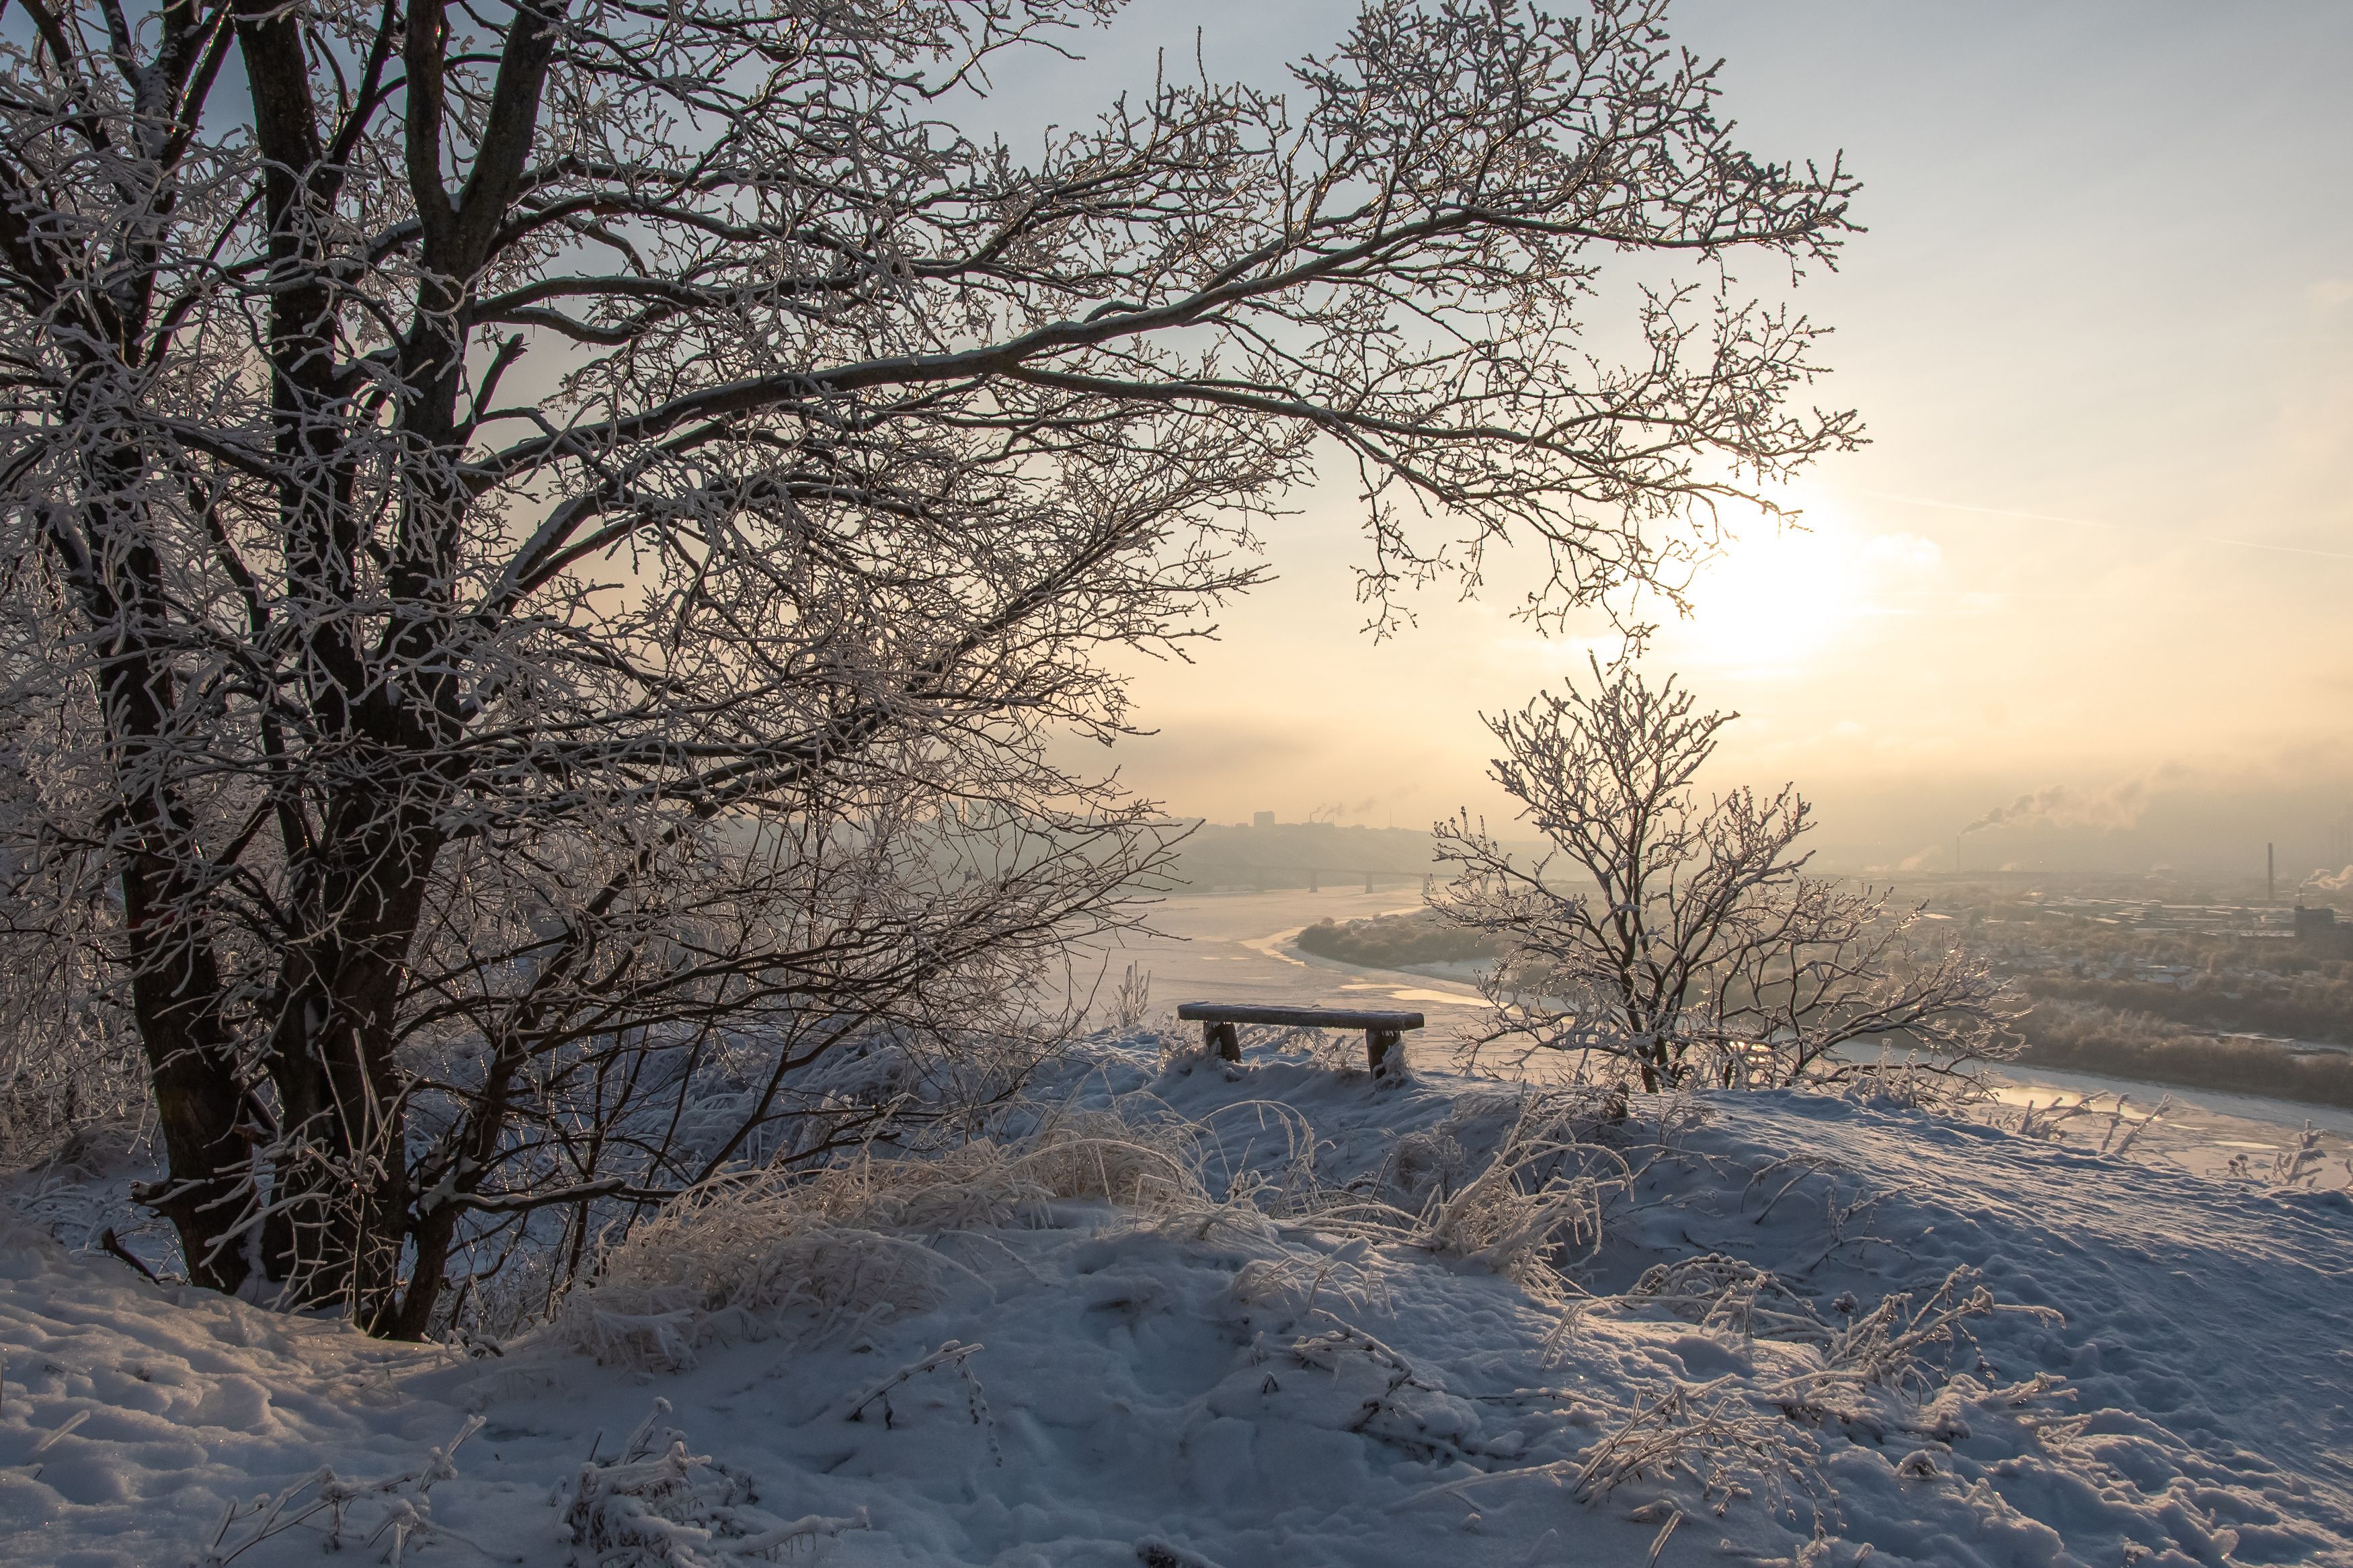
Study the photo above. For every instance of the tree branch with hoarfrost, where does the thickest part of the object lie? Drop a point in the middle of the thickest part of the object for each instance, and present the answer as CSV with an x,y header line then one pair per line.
x,y
1686,943
548,541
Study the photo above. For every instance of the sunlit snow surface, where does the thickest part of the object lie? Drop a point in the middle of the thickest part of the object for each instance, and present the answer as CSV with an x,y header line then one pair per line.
x,y
1134,1408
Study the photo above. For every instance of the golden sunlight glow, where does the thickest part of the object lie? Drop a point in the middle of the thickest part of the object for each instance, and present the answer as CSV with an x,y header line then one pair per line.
x,y
1778,600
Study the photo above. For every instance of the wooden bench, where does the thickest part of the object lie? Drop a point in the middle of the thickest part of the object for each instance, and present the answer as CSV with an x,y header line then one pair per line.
x,y
1384,1031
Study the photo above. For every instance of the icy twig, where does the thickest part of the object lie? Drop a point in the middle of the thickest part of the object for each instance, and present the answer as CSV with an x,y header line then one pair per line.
x,y
952,1351
63,1429
2123,1145
407,1517
656,1505
2291,1168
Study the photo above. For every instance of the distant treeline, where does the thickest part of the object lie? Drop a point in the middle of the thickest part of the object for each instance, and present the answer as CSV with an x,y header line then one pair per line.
x,y
1304,855
2079,1038
1393,941
2310,1006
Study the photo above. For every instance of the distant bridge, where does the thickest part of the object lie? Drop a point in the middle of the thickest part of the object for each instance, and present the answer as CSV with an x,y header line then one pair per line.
x,y
1204,875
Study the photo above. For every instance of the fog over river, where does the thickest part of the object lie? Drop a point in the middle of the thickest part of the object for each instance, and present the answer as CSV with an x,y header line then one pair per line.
x,y
1237,947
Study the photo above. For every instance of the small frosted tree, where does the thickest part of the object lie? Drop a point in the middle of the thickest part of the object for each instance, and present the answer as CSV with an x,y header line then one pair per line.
x,y
1680,939
550,541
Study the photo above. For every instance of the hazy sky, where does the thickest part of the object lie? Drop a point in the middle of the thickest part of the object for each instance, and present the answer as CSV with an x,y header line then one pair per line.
x,y
2102,538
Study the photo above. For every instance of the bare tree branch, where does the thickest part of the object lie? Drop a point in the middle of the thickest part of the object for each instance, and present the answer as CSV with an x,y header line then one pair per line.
x,y
635,497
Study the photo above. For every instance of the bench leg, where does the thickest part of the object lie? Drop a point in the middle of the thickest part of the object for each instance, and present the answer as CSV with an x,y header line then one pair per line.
x,y
1385,1052
1221,1040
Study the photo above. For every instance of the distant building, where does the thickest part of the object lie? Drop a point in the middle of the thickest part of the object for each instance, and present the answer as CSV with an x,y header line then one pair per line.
x,y
1262,819
2321,930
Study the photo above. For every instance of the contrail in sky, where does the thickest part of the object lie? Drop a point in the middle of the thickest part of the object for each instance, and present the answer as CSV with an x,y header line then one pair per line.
x,y
2098,522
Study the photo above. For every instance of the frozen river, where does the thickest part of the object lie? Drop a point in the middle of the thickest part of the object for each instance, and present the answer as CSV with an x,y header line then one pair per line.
x,y
1236,947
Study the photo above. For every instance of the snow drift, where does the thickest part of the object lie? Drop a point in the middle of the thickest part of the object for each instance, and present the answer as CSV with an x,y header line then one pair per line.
x,y
1180,1315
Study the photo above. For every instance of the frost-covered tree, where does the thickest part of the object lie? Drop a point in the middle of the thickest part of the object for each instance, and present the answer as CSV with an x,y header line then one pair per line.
x,y
1682,939
548,538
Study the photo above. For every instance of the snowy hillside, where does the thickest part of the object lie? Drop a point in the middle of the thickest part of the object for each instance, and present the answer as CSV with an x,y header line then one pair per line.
x,y
1281,1315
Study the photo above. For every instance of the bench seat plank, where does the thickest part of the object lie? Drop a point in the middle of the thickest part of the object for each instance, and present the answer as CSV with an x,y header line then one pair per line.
x,y
1297,1017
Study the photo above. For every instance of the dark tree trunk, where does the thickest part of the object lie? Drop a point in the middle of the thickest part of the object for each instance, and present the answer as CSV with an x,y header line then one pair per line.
x,y
176,992
175,978
341,1187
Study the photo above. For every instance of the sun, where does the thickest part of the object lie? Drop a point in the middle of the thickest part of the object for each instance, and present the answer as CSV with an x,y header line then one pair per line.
x,y
1776,601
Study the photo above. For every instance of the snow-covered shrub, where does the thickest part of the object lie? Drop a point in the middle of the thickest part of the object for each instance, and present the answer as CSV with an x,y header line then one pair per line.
x,y
2063,1119
1150,1167
1180,1046
729,1265
510,1296
654,1505
1131,1002
1424,1162
1719,1293
1508,1181
1272,1167
2289,1167
1709,1433
1530,1200
2050,1122
1437,1160
1894,1082
1340,1052
848,1241
1299,1283
1887,1346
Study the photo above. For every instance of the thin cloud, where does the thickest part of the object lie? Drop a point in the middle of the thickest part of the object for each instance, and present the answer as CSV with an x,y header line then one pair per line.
x,y
2103,523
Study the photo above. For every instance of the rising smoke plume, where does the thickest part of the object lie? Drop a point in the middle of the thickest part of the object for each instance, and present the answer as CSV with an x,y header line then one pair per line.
x,y
2118,806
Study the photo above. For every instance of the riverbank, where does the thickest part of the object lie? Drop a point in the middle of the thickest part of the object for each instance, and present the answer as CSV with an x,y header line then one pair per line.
x,y
2072,1037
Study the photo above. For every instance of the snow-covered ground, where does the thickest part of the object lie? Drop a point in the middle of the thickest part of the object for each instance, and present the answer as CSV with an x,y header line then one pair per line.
x,y
1807,1330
